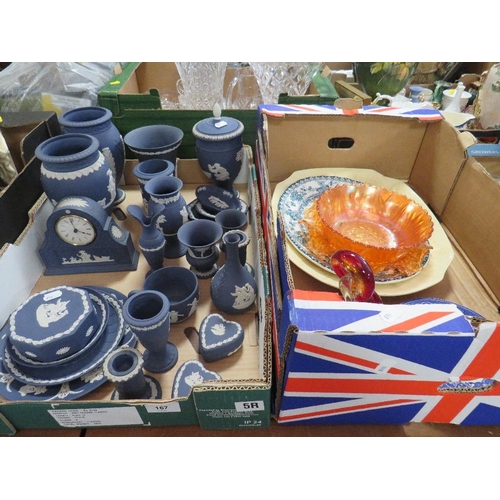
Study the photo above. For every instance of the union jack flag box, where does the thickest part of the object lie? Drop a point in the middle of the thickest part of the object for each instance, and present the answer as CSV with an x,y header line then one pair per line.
x,y
353,363
359,363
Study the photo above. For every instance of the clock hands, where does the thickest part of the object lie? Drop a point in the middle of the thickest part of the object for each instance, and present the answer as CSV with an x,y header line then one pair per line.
x,y
77,230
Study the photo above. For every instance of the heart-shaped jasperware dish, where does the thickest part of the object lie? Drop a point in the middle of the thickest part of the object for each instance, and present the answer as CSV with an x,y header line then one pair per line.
x,y
189,374
219,337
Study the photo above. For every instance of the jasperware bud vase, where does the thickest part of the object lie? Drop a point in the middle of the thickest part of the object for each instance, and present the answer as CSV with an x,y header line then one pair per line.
x,y
147,313
233,289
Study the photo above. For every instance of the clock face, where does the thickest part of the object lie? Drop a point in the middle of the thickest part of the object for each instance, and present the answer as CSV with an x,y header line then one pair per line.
x,y
75,230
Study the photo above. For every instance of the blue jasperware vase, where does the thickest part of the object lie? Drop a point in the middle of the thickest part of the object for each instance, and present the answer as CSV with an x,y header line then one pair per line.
x,y
233,289
200,238
147,313
96,121
73,165
146,170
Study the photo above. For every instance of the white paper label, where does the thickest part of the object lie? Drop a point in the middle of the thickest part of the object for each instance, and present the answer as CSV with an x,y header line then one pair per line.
x,y
66,102
92,417
165,408
250,406
52,295
220,124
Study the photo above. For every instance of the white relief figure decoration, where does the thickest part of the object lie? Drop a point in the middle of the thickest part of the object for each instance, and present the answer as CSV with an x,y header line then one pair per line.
x,y
184,214
36,390
109,157
218,329
215,200
239,154
245,296
85,258
219,172
193,379
64,392
50,313
6,379
160,221
93,376
175,316
111,184
193,305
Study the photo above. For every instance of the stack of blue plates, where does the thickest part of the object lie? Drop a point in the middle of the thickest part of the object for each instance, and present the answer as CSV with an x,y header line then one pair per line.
x,y
73,376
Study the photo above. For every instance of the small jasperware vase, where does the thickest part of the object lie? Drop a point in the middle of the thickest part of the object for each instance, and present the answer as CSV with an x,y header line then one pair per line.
x,y
96,121
165,191
244,241
151,240
146,170
147,313
200,238
233,289
123,368
72,165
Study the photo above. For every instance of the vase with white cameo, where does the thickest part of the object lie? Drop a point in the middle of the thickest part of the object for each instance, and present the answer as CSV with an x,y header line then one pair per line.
x,y
233,289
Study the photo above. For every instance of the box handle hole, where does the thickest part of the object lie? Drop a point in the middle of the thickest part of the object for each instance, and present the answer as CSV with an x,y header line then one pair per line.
x,y
340,143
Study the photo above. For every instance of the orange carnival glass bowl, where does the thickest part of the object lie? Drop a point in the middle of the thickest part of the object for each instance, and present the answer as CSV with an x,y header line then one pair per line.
x,y
388,229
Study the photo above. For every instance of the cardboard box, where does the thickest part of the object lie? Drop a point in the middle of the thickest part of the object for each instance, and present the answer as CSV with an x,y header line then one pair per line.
x,y
134,97
372,377
22,133
241,400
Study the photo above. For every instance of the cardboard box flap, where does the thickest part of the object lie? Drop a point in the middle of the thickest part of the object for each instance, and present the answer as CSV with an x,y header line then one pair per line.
x,y
324,312
473,219
444,147
345,141
324,109
25,131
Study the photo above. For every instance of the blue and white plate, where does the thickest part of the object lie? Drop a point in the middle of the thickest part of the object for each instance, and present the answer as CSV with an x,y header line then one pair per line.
x,y
299,196
85,378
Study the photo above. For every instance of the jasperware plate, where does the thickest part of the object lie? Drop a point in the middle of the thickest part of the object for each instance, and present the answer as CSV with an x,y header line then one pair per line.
x,y
14,390
55,375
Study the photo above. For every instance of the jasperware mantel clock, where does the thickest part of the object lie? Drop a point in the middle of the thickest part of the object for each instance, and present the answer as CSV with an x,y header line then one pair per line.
x,y
82,238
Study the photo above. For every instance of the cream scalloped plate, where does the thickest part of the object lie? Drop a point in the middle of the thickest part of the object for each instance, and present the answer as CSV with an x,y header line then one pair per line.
x,y
439,258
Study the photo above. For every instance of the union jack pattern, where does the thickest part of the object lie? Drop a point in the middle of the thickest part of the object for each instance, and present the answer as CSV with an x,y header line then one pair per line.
x,y
334,377
325,109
